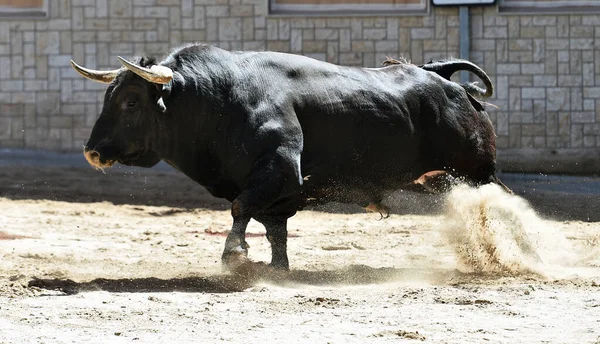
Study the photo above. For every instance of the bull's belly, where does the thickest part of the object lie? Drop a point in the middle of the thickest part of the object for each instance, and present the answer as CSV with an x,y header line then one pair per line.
x,y
354,189
359,165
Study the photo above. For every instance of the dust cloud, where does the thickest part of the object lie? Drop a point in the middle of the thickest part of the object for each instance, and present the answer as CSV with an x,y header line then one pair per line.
x,y
491,231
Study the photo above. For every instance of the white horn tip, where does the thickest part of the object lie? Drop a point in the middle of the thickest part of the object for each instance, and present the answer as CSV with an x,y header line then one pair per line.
x,y
123,61
105,77
156,73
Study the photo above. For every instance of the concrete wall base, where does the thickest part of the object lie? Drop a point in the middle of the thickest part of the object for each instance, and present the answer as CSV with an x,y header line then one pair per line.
x,y
550,161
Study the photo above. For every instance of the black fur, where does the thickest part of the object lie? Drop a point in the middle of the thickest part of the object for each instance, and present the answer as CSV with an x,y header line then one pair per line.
x,y
273,132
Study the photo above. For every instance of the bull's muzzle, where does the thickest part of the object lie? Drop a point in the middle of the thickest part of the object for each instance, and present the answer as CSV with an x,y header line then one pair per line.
x,y
93,158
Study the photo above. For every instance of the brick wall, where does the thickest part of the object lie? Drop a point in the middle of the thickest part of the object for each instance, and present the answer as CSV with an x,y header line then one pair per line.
x,y
546,68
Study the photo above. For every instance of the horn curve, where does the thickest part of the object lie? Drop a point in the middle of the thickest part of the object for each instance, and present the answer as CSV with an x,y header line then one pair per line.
x,y
103,76
155,74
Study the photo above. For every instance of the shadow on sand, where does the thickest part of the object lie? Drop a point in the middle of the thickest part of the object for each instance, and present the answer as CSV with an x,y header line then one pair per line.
x,y
118,185
255,273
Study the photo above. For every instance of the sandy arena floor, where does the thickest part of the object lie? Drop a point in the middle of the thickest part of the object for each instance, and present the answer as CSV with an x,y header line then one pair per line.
x,y
134,255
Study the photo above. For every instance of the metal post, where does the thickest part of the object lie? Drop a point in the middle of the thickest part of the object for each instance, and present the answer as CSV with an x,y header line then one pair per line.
x,y
463,17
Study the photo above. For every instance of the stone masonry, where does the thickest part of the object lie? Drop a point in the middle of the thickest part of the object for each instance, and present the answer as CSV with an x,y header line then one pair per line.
x,y
546,68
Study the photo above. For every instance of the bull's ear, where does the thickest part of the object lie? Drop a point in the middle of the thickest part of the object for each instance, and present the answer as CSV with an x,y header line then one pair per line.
x,y
161,105
163,93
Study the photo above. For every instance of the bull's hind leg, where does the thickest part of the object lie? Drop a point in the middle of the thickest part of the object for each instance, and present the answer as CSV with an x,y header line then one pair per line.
x,y
437,181
377,207
440,181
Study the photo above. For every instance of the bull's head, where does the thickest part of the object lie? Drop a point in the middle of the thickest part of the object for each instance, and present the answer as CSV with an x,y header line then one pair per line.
x,y
132,114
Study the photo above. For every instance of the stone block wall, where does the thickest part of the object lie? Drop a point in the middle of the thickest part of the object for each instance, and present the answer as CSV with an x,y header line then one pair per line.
x,y
546,68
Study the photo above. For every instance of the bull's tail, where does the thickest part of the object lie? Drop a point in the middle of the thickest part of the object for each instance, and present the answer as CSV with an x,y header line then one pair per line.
x,y
446,68
497,180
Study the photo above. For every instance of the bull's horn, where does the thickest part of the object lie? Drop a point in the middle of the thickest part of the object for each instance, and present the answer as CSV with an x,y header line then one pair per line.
x,y
103,76
155,74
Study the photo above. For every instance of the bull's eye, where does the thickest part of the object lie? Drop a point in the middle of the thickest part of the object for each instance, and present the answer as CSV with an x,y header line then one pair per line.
x,y
131,105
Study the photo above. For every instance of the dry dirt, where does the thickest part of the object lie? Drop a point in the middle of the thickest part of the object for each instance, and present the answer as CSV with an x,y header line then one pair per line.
x,y
135,256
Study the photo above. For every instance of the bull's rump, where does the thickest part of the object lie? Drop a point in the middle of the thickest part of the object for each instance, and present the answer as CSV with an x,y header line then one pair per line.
x,y
365,131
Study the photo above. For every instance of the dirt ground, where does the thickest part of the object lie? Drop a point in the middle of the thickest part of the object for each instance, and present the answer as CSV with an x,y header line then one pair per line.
x,y
134,255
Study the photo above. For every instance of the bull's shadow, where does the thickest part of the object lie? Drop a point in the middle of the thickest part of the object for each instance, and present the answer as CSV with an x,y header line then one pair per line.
x,y
259,273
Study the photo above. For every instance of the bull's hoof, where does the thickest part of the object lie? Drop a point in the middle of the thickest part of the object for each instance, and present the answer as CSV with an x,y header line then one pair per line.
x,y
280,267
250,269
374,207
262,271
232,259
279,262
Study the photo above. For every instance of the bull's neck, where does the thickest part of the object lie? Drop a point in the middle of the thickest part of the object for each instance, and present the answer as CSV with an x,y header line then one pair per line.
x,y
194,120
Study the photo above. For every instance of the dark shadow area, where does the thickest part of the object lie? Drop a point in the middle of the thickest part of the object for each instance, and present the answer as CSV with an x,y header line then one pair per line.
x,y
68,178
118,185
216,284
254,273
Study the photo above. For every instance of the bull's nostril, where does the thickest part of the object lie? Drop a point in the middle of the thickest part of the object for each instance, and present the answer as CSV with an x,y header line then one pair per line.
x,y
93,158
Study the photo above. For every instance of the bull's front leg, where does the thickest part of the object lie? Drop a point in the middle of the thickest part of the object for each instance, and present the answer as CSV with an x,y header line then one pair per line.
x,y
272,186
236,248
276,227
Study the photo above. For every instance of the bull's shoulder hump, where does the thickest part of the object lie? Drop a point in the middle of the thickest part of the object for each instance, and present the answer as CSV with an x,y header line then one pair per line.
x,y
277,63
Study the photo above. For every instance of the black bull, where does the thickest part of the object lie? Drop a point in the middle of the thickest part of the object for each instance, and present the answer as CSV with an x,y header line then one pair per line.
x,y
273,132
